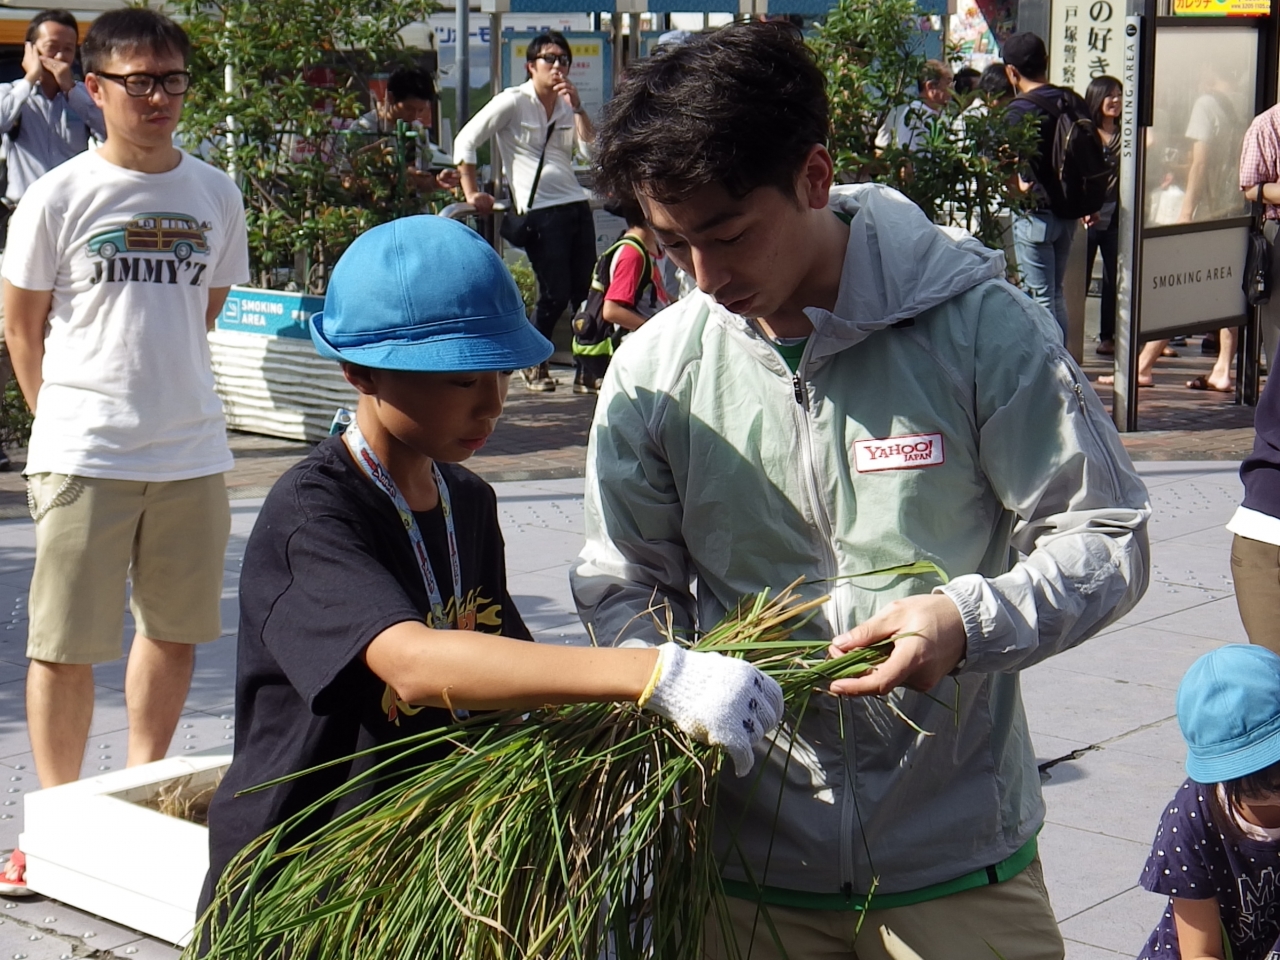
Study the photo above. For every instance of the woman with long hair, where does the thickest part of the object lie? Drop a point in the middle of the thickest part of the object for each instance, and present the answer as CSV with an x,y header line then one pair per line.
x,y
1103,99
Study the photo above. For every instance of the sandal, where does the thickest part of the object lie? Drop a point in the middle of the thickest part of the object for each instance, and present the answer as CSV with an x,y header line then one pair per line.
x,y
13,879
1202,383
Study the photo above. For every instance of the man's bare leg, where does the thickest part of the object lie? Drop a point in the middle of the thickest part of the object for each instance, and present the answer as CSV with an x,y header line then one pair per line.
x,y
59,711
156,682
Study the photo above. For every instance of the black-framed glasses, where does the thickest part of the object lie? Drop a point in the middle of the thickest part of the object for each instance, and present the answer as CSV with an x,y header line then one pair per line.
x,y
175,83
563,61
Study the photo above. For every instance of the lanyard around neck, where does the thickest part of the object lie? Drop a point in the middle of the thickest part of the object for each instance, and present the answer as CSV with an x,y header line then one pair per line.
x,y
368,461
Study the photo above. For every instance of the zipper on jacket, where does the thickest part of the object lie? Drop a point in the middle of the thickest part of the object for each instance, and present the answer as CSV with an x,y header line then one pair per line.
x,y
848,806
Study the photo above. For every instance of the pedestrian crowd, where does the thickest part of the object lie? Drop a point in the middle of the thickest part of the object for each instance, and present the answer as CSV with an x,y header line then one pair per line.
x,y
851,398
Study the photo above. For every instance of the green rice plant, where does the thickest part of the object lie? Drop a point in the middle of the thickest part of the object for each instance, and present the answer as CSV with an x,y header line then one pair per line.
x,y
561,834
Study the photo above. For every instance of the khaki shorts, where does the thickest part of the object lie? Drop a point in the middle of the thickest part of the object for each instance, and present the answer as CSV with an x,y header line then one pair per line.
x,y
168,539
1011,919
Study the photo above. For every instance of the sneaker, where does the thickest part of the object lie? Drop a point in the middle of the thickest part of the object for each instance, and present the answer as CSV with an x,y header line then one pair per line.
x,y
535,379
13,878
584,388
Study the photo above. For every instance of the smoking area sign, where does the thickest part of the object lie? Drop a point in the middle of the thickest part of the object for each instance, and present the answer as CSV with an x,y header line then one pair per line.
x,y
270,313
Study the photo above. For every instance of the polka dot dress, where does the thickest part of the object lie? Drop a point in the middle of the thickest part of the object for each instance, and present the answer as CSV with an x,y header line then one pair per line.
x,y
1194,858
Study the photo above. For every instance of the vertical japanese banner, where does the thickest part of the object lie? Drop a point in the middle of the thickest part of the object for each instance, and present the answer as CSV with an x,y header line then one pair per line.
x,y
1084,42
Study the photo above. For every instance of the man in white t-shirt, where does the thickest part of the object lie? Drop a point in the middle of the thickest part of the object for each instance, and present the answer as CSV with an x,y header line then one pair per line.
x,y
118,262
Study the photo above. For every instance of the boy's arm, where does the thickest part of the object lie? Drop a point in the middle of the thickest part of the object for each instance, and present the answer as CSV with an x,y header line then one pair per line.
x,y
622,315
1199,929
25,314
480,671
717,700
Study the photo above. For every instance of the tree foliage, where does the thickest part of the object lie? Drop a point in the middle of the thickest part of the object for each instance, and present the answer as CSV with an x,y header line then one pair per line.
x,y
310,189
959,170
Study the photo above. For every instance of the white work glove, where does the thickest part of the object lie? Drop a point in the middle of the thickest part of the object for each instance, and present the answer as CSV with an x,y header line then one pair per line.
x,y
715,699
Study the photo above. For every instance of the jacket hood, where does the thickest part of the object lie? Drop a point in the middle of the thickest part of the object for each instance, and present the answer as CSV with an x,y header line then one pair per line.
x,y
897,265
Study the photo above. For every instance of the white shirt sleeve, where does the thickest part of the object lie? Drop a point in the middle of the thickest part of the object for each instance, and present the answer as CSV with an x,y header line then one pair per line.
x,y
233,259
31,254
493,116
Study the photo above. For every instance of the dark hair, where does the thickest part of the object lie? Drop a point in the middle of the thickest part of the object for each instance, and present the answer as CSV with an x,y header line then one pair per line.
x,y
548,38
994,83
626,208
1098,90
1025,52
966,80
133,28
51,16
410,83
1253,786
740,107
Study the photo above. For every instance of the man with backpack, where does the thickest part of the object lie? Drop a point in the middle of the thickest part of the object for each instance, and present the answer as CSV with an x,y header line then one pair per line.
x,y
1067,175
46,117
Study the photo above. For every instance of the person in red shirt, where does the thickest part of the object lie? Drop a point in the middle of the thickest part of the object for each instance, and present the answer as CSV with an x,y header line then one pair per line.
x,y
628,275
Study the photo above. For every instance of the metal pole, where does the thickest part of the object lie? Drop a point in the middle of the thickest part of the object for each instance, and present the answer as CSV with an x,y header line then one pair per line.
x,y
462,61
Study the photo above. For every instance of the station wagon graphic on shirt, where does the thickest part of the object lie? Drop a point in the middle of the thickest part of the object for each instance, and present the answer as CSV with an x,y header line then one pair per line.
x,y
174,233
171,239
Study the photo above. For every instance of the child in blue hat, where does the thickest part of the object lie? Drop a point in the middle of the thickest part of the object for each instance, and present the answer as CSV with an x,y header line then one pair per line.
x,y
374,591
1217,851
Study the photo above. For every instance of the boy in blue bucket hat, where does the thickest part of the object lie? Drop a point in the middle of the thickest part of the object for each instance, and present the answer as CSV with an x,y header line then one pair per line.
x,y
374,591
1216,854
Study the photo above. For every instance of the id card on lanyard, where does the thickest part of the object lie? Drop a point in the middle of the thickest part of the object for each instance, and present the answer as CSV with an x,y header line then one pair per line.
x,y
373,468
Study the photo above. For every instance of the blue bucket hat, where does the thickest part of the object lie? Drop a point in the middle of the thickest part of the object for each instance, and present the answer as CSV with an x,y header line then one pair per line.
x,y
1229,712
425,294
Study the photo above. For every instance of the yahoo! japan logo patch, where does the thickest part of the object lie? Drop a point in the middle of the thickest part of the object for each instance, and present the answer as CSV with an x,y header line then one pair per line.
x,y
899,453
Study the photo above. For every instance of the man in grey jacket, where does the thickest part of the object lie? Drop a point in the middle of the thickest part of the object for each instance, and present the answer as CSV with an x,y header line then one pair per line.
x,y
851,390
46,118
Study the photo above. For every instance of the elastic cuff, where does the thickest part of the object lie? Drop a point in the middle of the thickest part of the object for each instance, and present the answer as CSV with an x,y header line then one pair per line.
x,y
654,679
968,606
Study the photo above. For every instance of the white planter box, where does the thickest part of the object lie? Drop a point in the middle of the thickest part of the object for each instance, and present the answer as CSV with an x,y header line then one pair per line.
x,y
88,844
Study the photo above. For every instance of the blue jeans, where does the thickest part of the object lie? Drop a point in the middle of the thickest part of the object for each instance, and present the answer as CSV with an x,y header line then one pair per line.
x,y
1042,243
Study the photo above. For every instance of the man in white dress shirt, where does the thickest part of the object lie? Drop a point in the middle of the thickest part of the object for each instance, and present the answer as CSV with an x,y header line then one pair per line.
x,y
541,118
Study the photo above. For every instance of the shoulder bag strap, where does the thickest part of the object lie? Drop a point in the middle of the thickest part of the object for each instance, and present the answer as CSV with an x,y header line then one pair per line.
x,y
542,158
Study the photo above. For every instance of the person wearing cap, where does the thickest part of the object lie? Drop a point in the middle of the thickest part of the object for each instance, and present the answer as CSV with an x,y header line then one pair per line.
x,y
374,593
1216,853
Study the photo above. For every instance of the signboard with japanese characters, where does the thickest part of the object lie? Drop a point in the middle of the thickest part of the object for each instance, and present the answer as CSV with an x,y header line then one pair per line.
x,y
1221,8
1085,41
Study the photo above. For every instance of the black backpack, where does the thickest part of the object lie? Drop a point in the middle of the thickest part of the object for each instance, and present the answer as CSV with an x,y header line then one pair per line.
x,y
1077,156
589,326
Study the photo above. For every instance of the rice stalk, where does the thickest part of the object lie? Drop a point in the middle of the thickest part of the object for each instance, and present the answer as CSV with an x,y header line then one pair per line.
x,y
560,836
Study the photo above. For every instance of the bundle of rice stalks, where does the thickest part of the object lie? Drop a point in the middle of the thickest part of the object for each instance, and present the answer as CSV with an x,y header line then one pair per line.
x,y
569,833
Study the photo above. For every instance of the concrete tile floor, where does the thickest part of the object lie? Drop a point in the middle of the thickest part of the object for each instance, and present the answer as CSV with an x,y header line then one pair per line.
x,y
1101,715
